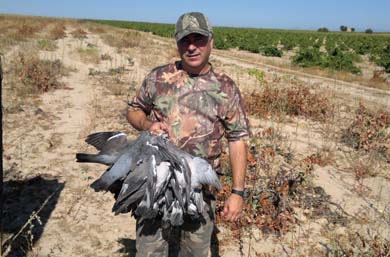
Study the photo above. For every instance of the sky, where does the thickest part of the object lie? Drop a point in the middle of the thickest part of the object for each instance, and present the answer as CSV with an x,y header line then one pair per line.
x,y
280,14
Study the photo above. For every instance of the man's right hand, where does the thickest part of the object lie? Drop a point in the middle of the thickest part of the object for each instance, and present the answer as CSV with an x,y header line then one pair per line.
x,y
158,127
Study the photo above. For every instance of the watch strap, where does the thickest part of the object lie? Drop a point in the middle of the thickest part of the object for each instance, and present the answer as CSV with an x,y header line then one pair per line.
x,y
238,192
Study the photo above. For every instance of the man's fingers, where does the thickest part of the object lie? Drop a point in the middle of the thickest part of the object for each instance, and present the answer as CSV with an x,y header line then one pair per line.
x,y
158,127
231,211
225,211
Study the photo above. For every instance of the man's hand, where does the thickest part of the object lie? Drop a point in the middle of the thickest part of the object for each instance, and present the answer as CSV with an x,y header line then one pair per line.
x,y
234,204
232,209
157,128
139,121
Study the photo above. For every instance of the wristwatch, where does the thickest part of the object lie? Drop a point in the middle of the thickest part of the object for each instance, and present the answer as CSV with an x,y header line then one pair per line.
x,y
242,193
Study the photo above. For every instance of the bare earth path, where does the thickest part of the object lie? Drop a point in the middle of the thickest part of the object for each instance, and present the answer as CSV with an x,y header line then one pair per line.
x,y
81,224
81,215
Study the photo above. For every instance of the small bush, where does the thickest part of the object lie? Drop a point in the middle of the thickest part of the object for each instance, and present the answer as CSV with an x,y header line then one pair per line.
x,y
126,40
307,57
57,32
383,58
79,33
105,57
40,75
359,244
258,74
271,51
27,31
335,59
341,60
89,54
295,101
302,102
369,132
47,44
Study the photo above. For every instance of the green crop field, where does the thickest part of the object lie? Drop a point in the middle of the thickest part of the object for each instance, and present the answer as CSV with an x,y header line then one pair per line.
x,y
331,50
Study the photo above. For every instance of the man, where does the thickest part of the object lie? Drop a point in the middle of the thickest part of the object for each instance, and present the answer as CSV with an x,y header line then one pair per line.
x,y
196,106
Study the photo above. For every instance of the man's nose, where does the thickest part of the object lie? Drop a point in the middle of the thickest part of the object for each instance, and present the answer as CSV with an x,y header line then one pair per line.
x,y
192,46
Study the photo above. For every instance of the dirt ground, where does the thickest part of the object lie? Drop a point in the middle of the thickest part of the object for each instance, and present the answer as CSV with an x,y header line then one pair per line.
x,y
48,198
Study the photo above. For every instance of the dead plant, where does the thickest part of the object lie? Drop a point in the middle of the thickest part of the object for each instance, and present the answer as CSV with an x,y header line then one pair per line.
x,y
40,75
57,32
295,101
369,132
277,184
79,33
127,39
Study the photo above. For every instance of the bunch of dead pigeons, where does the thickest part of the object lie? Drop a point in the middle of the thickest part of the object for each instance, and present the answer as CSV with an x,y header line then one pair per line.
x,y
150,176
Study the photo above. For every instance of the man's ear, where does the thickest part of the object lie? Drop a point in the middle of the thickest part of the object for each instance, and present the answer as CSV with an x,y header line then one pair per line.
x,y
212,42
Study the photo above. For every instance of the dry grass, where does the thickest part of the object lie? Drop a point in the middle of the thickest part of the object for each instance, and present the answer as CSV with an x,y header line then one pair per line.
x,y
57,32
127,39
47,44
89,54
79,33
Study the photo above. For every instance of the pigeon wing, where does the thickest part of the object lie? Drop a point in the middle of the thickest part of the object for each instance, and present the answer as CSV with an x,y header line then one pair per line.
x,y
133,187
204,174
99,139
125,163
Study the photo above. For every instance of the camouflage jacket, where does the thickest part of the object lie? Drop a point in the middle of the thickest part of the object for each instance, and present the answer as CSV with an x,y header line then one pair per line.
x,y
199,110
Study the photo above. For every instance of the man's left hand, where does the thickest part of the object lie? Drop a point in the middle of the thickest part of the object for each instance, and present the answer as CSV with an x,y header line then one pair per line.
x,y
232,210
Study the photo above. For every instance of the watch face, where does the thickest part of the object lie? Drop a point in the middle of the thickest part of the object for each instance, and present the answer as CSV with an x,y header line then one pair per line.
x,y
246,193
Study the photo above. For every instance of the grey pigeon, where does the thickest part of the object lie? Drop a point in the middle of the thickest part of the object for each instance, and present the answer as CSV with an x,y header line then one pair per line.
x,y
150,176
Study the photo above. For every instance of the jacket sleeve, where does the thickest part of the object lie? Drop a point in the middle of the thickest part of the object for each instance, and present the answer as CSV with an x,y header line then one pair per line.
x,y
144,98
236,123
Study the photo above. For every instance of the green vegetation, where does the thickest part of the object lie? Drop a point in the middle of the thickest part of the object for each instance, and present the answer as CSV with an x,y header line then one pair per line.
x,y
324,29
382,58
341,52
343,28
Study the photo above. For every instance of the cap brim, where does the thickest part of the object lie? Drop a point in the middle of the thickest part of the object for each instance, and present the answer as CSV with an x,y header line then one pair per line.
x,y
186,32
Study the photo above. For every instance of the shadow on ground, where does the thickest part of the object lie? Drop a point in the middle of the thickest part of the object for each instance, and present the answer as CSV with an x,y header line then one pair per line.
x,y
128,247
28,204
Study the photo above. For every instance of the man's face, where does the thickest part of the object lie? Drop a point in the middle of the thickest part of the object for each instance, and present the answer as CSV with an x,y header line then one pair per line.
x,y
194,51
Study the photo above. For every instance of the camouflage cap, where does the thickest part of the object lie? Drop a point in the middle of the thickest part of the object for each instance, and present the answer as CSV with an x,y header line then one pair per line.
x,y
193,22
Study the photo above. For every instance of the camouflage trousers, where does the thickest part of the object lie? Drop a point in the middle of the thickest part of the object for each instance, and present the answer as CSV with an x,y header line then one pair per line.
x,y
190,239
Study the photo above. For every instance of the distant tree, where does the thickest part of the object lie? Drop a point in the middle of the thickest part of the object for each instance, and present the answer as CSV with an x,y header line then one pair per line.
x,y
324,29
343,28
369,31
352,29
